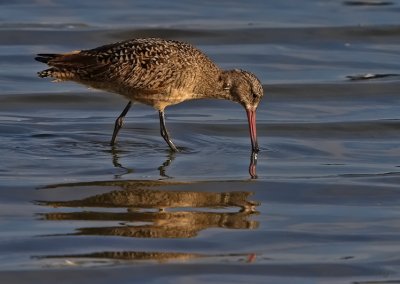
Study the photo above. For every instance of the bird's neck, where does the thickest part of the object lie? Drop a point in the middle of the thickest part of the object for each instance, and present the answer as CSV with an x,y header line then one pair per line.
x,y
213,86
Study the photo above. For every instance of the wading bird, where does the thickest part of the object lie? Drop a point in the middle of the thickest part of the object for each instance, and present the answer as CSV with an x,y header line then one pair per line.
x,y
158,73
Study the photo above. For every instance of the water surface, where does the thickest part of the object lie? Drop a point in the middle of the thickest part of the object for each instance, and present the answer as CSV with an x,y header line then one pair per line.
x,y
323,209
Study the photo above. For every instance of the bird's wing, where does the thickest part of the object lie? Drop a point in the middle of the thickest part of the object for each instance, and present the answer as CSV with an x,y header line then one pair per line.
x,y
139,63
142,63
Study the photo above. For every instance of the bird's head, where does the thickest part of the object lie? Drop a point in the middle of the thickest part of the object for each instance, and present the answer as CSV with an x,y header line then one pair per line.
x,y
244,88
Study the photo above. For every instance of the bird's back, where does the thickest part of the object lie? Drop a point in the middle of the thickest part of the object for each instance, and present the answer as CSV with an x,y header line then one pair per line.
x,y
147,65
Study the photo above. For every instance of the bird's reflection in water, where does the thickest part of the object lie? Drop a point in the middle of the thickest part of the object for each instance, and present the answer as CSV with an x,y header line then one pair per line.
x,y
115,160
170,158
115,153
148,212
253,165
165,165
138,210
160,257
160,224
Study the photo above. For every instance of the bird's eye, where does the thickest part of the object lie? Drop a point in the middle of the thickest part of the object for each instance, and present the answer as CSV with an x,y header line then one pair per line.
x,y
254,96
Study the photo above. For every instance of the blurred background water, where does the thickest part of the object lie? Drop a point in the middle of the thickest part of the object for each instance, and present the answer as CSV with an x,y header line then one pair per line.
x,y
325,205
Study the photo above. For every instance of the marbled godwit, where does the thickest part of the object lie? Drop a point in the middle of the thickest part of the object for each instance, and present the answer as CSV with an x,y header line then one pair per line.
x,y
158,73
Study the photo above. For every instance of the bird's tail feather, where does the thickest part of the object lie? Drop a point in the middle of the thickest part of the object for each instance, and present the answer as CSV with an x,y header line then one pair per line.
x,y
67,66
46,57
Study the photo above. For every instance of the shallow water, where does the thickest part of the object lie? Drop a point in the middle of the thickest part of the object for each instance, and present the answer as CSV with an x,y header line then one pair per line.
x,y
323,209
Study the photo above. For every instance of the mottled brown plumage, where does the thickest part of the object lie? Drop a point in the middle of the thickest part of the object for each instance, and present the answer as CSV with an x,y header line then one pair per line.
x,y
158,73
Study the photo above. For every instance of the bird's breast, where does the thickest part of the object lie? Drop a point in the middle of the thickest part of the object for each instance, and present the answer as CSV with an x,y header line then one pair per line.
x,y
160,99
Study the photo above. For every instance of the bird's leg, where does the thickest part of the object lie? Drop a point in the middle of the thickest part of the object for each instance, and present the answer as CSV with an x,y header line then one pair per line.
x,y
164,132
119,122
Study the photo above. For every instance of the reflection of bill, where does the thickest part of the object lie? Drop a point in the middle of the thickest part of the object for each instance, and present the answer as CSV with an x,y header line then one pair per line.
x,y
253,165
136,222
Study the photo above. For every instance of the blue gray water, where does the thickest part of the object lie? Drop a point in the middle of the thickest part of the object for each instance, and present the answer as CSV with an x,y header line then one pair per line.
x,y
324,208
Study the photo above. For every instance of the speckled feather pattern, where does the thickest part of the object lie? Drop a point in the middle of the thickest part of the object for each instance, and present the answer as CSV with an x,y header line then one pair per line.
x,y
152,71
